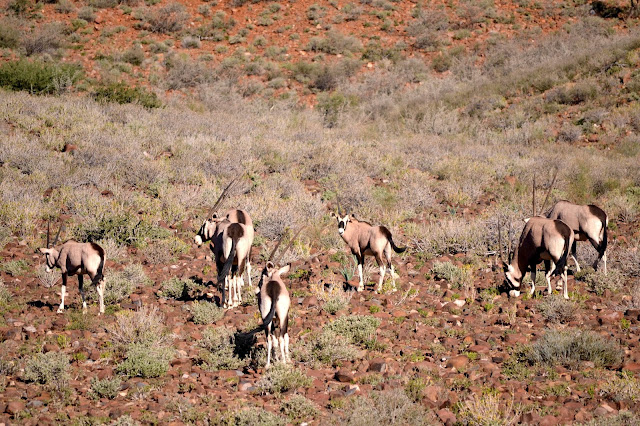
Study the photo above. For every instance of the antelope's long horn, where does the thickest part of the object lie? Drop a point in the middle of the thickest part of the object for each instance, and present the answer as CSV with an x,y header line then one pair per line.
x,y
500,254
55,240
509,244
286,249
48,232
222,196
553,181
275,248
533,201
339,207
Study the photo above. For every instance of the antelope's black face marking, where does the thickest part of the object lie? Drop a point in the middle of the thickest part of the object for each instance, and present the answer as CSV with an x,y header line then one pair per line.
x,y
202,234
342,224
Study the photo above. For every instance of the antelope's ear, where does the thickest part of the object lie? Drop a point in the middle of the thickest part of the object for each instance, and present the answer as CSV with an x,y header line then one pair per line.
x,y
505,266
347,218
214,216
526,219
284,269
333,214
270,265
43,250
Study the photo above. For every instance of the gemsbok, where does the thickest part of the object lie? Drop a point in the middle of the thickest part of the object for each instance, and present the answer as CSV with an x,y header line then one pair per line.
x,y
75,258
545,240
589,223
274,303
365,239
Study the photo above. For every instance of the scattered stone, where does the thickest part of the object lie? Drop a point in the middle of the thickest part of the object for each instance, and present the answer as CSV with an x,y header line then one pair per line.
x,y
377,365
446,416
457,361
15,407
344,376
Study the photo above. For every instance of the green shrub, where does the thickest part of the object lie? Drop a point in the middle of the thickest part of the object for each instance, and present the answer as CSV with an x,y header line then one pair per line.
x,y
385,408
145,361
9,33
144,327
457,277
165,250
219,348
622,387
623,418
598,282
106,388
570,347
326,348
299,409
558,310
358,329
250,416
123,94
205,312
5,294
44,39
336,43
50,369
414,388
167,19
133,56
15,267
488,409
176,288
282,378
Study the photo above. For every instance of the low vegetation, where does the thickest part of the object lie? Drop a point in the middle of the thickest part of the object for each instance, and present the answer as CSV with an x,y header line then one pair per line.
x,y
388,407
50,369
218,349
282,378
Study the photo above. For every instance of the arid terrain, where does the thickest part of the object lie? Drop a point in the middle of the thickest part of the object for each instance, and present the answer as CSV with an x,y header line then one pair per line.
x,y
122,123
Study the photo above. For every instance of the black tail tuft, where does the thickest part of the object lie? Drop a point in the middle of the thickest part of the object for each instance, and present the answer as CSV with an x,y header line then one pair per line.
x,y
396,248
226,268
268,319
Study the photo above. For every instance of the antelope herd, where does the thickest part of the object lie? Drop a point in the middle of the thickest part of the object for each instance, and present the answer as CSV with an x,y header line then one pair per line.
x,y
549,239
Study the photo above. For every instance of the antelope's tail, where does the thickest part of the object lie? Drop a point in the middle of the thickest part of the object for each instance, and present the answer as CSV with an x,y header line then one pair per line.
x,y
226,268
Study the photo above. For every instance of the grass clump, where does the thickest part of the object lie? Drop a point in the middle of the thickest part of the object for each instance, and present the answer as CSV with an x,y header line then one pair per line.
x,y
145,361
358,329
571,347
299,409
458,277
205,312
106,388
176,288
50,369
249,417
333,299
326,348
558,310
5,294
165,250
488,410
122,94
385,408
282,378
144,327
598,282
16,267
622,387
218,350
167,19
37,76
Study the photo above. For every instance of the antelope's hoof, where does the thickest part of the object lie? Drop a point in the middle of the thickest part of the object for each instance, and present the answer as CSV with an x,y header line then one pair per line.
x,y
359,288
514,293
60,310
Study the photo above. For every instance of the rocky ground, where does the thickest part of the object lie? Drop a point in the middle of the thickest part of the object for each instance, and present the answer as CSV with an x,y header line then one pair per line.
x,y
449,346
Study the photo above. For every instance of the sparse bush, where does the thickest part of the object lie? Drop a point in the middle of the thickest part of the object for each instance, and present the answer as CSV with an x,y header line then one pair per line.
x,y
10,33
133,56
623,418
622,387
144,327
15,267
557,310
219,348
333,299
570,347
5,294
488,409
142,360
167,19
103,4
165,251
281,378
336,44
325,347
250,416
47,279
43,39
299,409
87,13
64,6
190,42
123,94
184,72
205,312
359,329
50,369
106,388
385,408
458,277
598,282
176,288
113,250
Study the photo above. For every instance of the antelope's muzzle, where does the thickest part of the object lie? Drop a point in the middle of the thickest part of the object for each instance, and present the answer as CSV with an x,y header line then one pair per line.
x,y
198,240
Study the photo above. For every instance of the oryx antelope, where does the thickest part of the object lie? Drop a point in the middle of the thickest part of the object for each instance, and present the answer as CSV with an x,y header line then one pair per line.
x,y
364,239
541,239
75,258
274,303
589,223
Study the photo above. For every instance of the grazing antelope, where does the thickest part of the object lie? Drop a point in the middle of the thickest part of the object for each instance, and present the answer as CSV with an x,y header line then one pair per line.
x,y
364,239
75,258
541,239
274,303
231,262
589,223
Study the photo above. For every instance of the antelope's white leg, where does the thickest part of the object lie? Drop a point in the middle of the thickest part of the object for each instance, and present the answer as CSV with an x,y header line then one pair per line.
x,y
361,284
100,288
514,293
268,351
286,347
249,272
564,282
63,291
82,296
393,277
548,277
282,350
533,282
604,259
382,271
576,262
